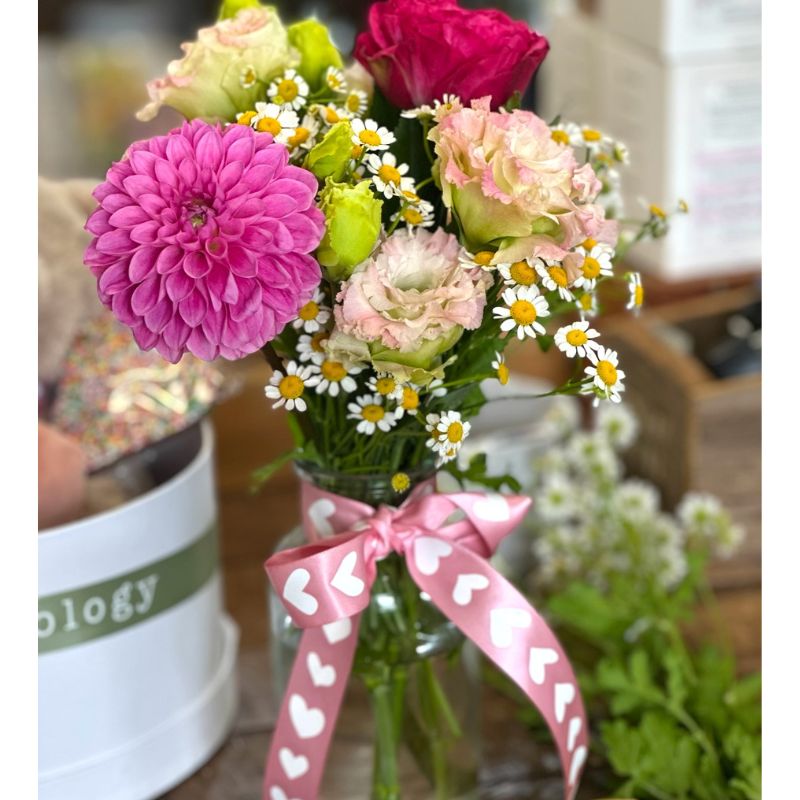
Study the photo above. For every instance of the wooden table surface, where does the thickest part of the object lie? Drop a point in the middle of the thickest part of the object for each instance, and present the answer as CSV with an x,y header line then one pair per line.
x,y
249,435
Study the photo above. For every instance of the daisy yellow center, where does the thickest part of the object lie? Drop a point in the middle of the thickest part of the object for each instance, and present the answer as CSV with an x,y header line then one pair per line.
x,y
373,413
522,272
455,432
591,135
385,385
333,371
291,387
248,77
370,138
300,135
316,341
638,295
590,267
331,116
412,197
353,103
389,174
502,374
607,372
559,276
560,136
576,337
657,211
589,244
309,311
334,81
246,118
269,125
288,90
400,481
586,302
412,216
484,258
523,312
410,400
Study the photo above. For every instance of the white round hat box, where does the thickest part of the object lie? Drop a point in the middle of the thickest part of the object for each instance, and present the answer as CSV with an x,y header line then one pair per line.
x,y
137,660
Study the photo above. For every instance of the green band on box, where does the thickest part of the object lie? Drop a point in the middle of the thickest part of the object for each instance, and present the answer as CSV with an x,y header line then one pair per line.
x,y
90,612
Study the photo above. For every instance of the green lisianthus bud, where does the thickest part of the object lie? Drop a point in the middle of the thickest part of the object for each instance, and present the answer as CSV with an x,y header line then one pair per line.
x,y
352,226
230,8
317,51
329,158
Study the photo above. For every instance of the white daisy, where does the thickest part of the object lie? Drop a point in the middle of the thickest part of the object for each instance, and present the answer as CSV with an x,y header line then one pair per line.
x,y
333,375
312,348
416,216
555,500
594,140
272,118
418,112
287,389
500,367
520,273
566,133
334,78
482,259
449,104
576,339
313,315
371,415
636,290
248,77
636,499
596,263
290,90
448,432
385,385
409,402
555,278
356,102
587,305
330,114
245,117
436,388
606,376
367,133
523,306
305,134
388,175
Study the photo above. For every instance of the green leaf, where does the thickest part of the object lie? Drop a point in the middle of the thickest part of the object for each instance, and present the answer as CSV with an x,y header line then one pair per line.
x,y
476,472
261,475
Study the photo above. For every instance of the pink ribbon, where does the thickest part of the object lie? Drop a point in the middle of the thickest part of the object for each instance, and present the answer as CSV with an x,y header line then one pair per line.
x,y
446,540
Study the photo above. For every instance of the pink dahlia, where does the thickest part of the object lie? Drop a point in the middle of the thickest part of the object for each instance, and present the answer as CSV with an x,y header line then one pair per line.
x,y
203,240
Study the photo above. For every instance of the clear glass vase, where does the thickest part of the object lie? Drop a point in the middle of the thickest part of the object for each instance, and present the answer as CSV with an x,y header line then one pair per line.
x,y
409,725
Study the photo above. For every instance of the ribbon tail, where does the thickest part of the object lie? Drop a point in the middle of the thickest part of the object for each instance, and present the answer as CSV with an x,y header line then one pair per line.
x,y
310,708
494,615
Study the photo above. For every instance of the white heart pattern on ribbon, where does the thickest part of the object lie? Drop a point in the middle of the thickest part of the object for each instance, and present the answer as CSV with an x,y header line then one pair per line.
x,y
344,580
564,695
319,512
466,585
308,722
321,674
574,729
538,659
492,508
502,622
294,766
577,763
338,631
276,793
428,551
294,594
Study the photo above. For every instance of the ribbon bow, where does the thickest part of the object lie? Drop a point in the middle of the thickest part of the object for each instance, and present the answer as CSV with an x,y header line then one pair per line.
x,y
446,540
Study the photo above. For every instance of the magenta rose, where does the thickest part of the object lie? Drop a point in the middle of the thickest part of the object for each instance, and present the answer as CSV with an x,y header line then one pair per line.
x,y
418,51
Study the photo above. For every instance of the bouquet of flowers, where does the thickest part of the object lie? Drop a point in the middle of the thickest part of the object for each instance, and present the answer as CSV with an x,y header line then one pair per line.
x,y
381,230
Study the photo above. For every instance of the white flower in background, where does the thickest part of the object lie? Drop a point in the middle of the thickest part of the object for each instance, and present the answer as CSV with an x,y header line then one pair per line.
x,y
554,278
409,402
356,102
335,377
729,540
594,140
605,373
523,307
312,348
587,305
436,388
621,153
367,133
636,499
313,315
567,133
279,121
334,78
520,273
371,415
618,424
290,90
596,263
448,432
449,104
576,339
389,177
287,388
591,455
636,299
482,259
554,500
500,367
418,112
673,566
563,417
385,385
305,134
700,513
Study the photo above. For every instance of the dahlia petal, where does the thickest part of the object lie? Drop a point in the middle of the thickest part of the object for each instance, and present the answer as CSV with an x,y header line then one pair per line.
x,y
271,274
188,171
166,173
121,306
168,353
176,333
193,308
145,232
241,150
212,326
114,279
145,338
128,217
196,265
142,263
242,262
232,228
300,192
144,162
115,241
153,204
231,174
159,315
103,190
257,178
248,304
209,149
96,260
145,295
136,185
98,222
256,239
169,259
177,149
305,232
199,346
251,207
282,237
279,205
178,285
116,201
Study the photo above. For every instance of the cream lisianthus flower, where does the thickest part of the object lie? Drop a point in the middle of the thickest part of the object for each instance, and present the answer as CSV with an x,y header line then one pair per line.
x,y
221,73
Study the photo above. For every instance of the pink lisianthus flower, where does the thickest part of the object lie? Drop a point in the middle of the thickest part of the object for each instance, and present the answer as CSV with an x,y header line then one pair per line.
x,y
203,240
514,187
418,51
413,297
